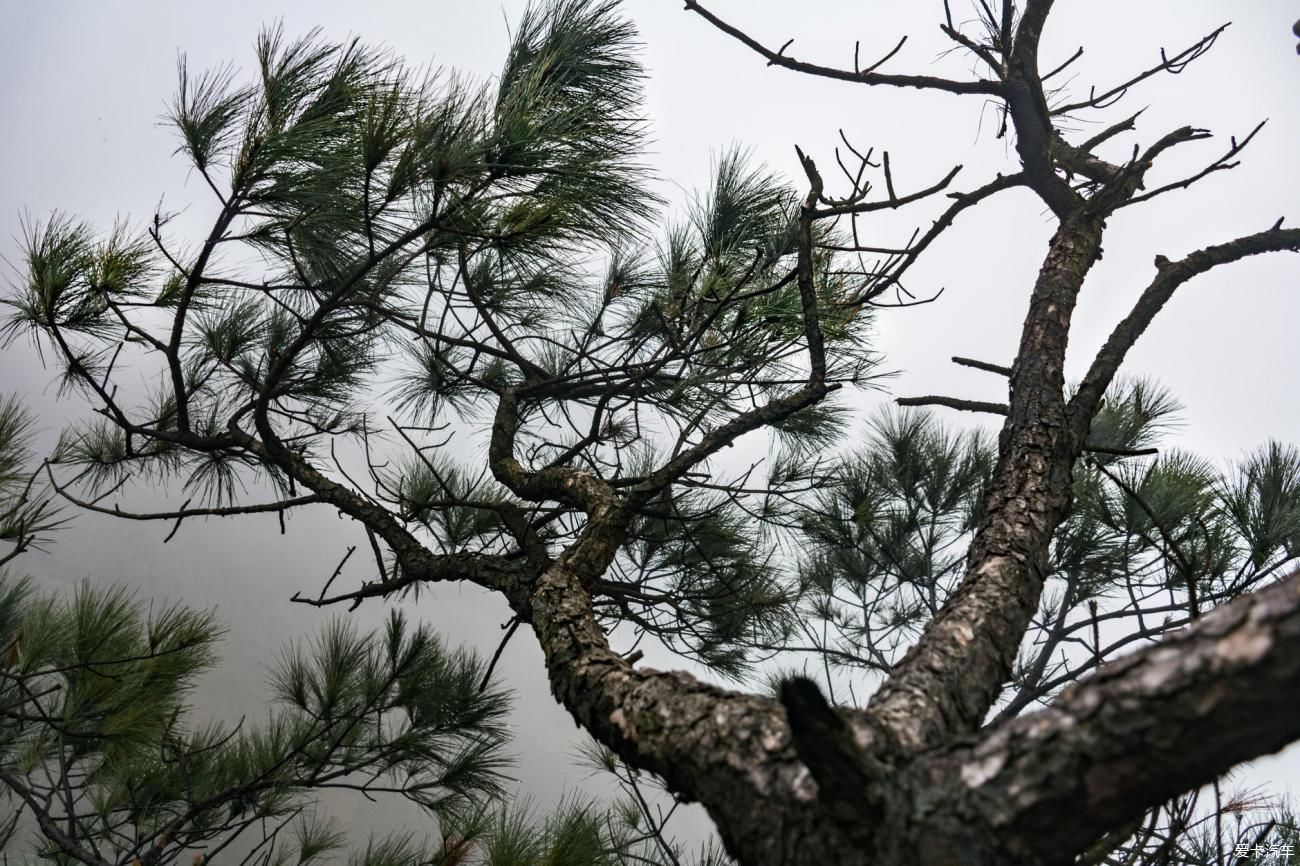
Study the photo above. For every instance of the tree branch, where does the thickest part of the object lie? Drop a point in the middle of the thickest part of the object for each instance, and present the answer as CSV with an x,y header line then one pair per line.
x,y
953,674
865,76
1027,106
1223,163
955,403
47,824
505,574
1141,730
961,201
1173,65
733,752
982,365
777,408
184,511
1169,276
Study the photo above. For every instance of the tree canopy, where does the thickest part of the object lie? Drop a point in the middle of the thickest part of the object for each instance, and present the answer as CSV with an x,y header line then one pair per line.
x,y
457,314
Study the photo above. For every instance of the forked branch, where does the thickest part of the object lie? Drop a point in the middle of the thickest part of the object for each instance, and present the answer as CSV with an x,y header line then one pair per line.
x,y
1142,729
858,75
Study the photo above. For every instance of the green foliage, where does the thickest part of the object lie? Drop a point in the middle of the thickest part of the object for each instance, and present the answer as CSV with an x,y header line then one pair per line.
x,y
699,556
565,127
206,112
813,430
888,534
1263,503
27,512
636,831
383,234
1149,542
431,384
457,510
572,834
1135,415
746,209
93,712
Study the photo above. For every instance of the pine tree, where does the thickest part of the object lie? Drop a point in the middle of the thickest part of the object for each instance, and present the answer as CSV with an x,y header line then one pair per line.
x,y
448,312
103,762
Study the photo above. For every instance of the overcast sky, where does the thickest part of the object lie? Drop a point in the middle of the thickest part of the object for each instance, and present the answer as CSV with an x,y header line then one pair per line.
x,y
83,85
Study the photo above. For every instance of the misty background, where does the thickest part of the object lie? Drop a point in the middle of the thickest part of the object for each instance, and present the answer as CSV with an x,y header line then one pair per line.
x,y
84,85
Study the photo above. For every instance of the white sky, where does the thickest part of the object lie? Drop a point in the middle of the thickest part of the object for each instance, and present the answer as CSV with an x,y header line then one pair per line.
x,y
83,85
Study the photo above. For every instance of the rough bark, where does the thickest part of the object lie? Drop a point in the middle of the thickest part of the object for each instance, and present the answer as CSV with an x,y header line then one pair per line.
x,y
953,674
933,787
912,779
733,752
1138,732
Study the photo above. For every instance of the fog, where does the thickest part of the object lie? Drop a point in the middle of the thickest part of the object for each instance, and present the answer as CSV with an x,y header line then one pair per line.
x,y
85,85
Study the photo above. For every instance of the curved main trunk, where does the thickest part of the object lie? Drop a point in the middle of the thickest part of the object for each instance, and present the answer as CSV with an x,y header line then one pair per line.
x,y
735,753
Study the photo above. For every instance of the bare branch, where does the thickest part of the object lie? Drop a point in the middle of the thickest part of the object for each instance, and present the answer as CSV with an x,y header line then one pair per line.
x,y
1172,65
865,76
510,630
955,403
982,52
1121,452
1223,163
1027,107
893,273
1064,65
982,365
1169,276
888,204
494,572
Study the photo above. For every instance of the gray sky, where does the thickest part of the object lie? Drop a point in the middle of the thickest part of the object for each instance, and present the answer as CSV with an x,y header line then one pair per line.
x,y
85,83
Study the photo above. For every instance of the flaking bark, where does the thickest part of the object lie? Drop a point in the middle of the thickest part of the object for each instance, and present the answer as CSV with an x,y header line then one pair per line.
x,y
913,778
